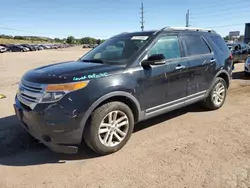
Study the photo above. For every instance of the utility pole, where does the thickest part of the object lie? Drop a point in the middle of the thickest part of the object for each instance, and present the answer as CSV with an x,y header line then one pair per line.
x,y
187,19
142,17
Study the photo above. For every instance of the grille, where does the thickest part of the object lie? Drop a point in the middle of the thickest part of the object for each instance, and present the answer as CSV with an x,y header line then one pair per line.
x,y
30,93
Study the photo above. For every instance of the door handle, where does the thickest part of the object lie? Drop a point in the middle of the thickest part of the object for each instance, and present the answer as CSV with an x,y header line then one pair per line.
x,y
179,67
212,60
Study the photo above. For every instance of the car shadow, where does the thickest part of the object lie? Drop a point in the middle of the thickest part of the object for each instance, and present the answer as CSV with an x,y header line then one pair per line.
x,y
240,75
19,148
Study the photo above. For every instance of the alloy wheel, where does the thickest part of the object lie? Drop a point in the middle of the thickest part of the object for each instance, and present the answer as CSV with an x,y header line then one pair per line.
x,y
113,128
218,94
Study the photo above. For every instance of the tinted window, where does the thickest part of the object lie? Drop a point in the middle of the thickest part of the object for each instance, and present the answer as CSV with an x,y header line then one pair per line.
x,y
168,46
117,50
220,43
196,45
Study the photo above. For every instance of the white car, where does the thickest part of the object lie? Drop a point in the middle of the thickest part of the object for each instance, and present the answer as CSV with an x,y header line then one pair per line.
x,y
3,49
247,66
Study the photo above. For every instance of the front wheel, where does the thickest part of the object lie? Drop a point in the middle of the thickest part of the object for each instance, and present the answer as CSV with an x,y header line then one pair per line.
x,y
217,95
110,127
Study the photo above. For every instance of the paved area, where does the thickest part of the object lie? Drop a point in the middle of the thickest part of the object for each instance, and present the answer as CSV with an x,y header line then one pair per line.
x,y
189,148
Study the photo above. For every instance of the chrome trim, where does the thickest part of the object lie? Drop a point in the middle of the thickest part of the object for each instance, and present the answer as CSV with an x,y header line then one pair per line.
x,y
188,29
30,88
178,101
27,98
26,102
30,94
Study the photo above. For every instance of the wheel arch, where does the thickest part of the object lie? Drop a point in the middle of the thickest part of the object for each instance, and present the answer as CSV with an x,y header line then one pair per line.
x,y
121,96
225,75
221,74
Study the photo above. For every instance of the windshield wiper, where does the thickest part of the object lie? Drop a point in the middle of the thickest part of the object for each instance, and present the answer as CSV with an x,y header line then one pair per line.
x,y
93,60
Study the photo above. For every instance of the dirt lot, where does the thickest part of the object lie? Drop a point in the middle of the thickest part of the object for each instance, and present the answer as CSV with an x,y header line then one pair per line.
x,y
186,148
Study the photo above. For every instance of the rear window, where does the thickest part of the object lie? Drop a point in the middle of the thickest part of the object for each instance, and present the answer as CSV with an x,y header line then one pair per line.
x,y
220,43
196,45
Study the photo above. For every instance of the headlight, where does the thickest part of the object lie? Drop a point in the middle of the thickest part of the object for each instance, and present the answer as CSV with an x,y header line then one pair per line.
x,y
55,92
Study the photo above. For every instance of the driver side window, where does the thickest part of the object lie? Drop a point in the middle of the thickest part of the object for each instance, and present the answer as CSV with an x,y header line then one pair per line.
x,y
168,46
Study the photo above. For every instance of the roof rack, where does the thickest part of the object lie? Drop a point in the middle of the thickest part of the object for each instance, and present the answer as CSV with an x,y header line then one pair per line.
x,y
188,29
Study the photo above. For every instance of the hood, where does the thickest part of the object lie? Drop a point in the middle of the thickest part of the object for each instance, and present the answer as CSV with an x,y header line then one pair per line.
x,y
70,71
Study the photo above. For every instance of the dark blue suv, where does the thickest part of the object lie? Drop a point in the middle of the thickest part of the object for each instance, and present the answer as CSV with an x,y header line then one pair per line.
x,y
129,78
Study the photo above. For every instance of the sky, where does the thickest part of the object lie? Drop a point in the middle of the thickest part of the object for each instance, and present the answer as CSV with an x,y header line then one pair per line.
x,y
105,18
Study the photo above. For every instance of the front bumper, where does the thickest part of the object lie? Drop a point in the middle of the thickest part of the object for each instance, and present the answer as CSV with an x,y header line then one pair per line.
x,y
58,131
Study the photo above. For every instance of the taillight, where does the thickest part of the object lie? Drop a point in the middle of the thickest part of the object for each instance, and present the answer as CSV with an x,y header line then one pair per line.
x,y
231,57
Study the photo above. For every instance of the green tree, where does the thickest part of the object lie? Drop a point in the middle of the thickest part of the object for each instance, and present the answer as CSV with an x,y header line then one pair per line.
x,y
227,38
70,40
20,37
57,40
6,36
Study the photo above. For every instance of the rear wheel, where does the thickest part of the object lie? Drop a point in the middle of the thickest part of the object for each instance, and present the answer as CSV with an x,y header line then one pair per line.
x,y
247,74
217,95
110,127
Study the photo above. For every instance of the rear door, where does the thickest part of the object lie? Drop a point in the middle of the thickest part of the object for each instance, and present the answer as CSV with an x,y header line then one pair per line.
x,y
201,64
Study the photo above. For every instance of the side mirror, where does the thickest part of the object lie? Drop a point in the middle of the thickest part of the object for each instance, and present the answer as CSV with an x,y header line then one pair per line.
x,y
155,59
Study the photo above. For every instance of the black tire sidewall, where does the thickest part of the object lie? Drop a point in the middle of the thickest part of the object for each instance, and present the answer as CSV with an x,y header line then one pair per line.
x,y
96,121
218,80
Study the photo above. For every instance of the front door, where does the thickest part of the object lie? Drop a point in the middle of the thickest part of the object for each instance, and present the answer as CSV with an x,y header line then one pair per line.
x,y
201,63
164,85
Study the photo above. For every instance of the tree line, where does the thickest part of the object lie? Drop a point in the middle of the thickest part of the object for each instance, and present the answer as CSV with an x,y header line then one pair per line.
x,y
69,39
85,40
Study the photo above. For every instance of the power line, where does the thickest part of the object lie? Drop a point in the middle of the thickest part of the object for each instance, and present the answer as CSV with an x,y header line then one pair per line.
x,y
221,26
225,12
209,5
142,17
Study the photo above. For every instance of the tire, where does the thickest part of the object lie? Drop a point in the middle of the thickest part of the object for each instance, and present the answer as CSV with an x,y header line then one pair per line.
x,y
247,74
210,102
96,141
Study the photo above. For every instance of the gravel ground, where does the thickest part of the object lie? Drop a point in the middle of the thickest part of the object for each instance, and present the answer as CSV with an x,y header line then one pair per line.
x,y
187,148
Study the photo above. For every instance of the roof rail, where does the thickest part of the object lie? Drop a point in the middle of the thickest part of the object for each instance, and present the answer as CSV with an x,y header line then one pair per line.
x,y
188,29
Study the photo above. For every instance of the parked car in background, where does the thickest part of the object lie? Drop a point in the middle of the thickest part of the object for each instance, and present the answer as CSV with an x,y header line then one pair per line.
x,y
34,46
247,66
39,47
240,51
30,47
3,49
17,48
43,46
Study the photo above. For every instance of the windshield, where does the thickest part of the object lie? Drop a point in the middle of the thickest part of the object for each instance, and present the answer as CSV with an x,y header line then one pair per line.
x,y
116,50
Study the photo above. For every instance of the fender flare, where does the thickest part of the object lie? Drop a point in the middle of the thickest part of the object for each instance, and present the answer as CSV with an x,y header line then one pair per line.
x,y
217,74
226,72
105,97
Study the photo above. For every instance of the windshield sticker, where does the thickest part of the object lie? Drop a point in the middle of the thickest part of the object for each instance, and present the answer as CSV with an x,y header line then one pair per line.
x,y
139,38
93,76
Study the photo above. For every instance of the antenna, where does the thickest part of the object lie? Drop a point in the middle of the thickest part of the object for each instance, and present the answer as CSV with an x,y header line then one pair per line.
x,y
142,17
